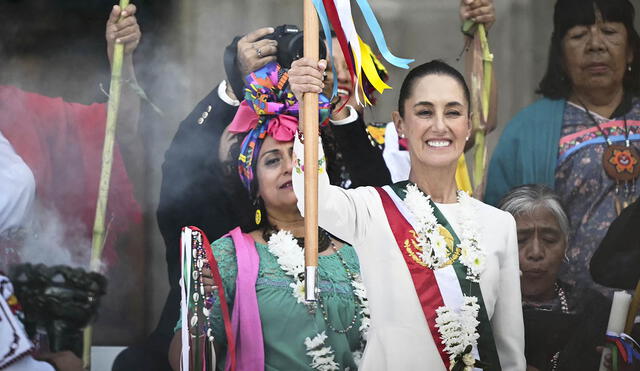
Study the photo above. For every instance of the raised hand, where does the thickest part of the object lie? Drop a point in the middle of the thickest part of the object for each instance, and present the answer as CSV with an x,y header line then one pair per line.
x,y
254,53
479,11
306,76
124,31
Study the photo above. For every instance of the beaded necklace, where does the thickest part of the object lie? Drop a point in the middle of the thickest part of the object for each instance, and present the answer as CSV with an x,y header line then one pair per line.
x,y
564,308
621,162
352,278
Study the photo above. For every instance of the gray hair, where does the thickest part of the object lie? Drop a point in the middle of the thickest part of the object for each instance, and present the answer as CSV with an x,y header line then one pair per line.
x,y
527,198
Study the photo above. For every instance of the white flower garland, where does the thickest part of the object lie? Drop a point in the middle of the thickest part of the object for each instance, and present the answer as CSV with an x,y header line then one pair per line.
x,y
458,330
322,357
290,257
433,244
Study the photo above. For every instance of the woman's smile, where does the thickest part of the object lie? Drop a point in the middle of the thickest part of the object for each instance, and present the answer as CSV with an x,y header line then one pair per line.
x,y
439,143
286,185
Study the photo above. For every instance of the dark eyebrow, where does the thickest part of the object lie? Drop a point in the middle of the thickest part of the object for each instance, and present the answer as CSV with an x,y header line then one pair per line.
x,y
541,229
453,104
525,230
427,103
550,230
268,152
423,103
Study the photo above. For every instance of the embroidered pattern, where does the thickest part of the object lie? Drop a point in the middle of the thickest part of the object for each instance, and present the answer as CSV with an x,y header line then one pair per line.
x,y
431,243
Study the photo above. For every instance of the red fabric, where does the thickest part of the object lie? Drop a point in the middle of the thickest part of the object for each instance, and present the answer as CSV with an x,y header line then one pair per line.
x,y
62,144
334,19
226,318
423,278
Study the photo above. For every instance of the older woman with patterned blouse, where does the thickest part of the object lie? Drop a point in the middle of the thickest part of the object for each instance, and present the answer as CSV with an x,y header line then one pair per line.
x,y
582,138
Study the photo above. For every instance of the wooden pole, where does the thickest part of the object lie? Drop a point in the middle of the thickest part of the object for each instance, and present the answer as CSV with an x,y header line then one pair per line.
x,y
310,125
99,232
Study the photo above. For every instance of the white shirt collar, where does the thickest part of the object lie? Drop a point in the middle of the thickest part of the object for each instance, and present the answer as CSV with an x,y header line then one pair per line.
x,y
353,116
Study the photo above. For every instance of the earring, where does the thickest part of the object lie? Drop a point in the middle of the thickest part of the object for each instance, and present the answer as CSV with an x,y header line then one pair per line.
x,y
258,215
629,68
401,136
466,139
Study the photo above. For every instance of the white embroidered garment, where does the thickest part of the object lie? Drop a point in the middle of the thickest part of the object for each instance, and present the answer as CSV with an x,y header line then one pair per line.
x,y
17,187
15,346
399,337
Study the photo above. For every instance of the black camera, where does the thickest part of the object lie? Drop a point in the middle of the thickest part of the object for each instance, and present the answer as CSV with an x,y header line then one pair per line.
x,y
291,44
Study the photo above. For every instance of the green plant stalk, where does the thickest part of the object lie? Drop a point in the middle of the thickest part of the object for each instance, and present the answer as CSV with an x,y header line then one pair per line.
x,y
480,155
99,233
487,71
479,161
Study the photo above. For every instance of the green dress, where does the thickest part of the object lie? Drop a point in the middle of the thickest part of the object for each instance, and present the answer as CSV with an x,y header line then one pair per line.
x,y
285,322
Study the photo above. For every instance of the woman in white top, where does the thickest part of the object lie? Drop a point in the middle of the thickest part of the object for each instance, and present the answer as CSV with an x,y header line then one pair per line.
x,y
441,268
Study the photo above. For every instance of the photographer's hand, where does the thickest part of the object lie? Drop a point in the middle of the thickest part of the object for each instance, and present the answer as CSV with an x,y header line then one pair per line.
x,y
254,53
306,76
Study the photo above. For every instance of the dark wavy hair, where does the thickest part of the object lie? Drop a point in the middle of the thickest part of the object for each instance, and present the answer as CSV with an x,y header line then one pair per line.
x,y
248,201
570,13
435,67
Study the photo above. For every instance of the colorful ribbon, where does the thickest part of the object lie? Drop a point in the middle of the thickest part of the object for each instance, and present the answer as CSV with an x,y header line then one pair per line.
x,y
624,345
378,36
366,71
269,108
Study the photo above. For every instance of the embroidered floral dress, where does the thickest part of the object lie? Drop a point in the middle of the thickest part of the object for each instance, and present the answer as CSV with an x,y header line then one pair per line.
x,y
285,322
586,190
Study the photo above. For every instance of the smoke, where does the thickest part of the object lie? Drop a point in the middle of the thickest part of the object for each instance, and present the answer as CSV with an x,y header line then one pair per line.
x,y
50,241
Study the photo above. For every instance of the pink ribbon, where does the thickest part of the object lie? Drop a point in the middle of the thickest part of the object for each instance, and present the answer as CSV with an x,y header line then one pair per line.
x,y
281,127
246,323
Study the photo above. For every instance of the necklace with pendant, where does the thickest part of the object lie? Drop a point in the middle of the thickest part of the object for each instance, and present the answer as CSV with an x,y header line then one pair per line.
x,y
564,308
621,161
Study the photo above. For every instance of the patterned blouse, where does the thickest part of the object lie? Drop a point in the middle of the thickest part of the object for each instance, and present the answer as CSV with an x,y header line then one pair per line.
x,y
589,195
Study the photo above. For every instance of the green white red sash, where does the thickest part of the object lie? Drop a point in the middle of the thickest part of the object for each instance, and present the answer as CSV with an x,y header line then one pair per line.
x,y
440,287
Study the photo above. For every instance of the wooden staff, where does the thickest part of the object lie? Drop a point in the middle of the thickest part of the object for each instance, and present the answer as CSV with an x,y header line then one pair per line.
x,y
99,235
310,125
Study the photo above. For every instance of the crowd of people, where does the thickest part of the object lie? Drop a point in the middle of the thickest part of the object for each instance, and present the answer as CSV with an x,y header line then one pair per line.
x,y
413,272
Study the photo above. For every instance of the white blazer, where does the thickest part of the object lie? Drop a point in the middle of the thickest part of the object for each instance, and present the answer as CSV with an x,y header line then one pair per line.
x,y
399,337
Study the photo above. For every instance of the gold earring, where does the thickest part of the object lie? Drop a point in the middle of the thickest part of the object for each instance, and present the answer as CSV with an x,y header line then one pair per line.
x,y
258,216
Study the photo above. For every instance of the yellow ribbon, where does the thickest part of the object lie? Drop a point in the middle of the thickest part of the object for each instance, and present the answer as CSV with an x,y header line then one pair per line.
x,y
462,175
369,67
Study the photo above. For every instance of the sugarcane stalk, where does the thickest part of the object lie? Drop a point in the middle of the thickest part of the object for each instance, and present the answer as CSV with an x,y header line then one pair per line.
x,y
310,125
480,155
487,71
99,231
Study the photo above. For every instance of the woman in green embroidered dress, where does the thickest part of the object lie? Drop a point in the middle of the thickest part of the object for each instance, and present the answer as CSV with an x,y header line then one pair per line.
x,y
290,329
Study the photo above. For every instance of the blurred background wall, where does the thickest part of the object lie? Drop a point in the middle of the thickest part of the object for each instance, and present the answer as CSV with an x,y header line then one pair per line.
x,y
57,48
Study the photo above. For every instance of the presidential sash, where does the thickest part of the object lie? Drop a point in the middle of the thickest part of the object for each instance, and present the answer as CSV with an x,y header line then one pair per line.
x,y
445,286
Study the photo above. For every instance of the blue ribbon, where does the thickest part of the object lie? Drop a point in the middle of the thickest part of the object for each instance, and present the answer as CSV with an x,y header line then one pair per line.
x,y
326,27
376,31
628,346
